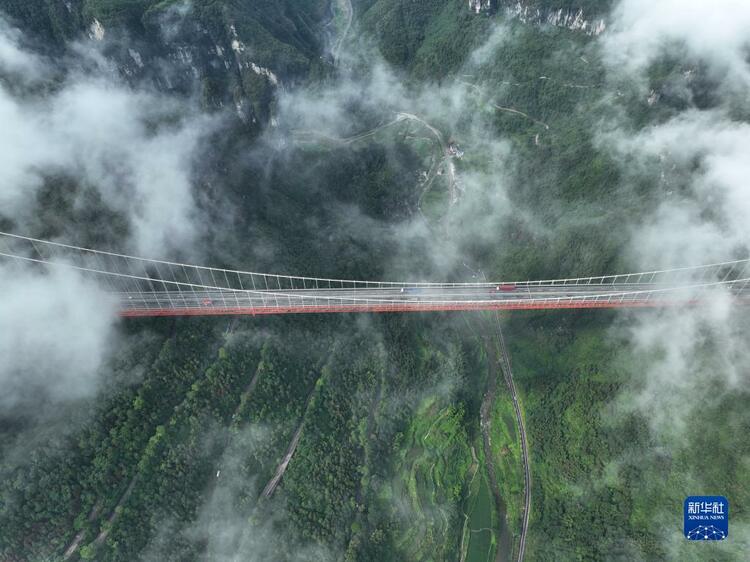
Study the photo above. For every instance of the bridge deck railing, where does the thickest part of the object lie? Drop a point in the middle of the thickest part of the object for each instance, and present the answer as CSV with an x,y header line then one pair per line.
x,y
154,284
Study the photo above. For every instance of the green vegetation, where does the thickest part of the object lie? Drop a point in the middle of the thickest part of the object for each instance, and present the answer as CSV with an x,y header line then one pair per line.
x,y
591,466
171,461
432,465
426,36
506,449
481,523
44,18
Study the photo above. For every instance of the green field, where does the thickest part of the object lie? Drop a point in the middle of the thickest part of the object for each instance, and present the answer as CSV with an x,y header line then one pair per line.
x,y
480,531
433,461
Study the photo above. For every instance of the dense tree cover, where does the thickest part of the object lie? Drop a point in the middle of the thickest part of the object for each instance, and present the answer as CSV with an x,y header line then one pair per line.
x,y
147,456
429,37
323,480
110,444
44,19
390,464
603,470
174,465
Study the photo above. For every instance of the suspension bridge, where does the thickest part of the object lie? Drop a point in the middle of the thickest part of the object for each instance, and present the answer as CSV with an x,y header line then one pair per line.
x,y
147,287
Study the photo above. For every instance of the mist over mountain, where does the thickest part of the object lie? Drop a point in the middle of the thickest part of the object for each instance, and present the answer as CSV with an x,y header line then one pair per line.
x,y
392,140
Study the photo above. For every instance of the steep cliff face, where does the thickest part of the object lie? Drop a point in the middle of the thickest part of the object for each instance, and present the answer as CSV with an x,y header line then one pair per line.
x,y
234,54
581,16
483,6
574,18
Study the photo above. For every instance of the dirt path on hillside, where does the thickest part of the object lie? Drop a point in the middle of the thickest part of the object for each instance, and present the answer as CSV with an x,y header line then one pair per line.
x,y
115,512
79,537
281,469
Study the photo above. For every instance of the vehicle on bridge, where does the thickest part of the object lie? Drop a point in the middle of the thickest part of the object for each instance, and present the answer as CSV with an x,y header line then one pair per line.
x,y
410,289
674,287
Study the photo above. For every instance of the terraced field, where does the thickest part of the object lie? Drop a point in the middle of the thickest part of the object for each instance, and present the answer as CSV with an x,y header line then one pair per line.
x,y
434,463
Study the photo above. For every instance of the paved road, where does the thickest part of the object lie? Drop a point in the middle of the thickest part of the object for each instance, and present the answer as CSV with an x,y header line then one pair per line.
x,y
503,538
508,373
192,301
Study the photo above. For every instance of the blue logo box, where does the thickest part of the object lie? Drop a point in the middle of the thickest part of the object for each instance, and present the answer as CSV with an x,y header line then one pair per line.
x,y
706,518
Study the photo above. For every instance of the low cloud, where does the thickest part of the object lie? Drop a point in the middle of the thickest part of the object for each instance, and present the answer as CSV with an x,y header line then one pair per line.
x,y
137,148
500,36
373,103
234,523
55,334
689,361
70,126
716,33
700,353
18,63
700,160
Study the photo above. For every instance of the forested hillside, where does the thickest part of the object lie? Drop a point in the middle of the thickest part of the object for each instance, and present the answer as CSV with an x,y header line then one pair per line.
x,y
373,437
228,53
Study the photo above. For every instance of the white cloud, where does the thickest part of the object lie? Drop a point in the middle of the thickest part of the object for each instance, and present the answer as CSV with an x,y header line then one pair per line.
x,y
686,354
500,36
697,164
717,33
136,148
21,64
55,332
704,217
142,170
375,105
